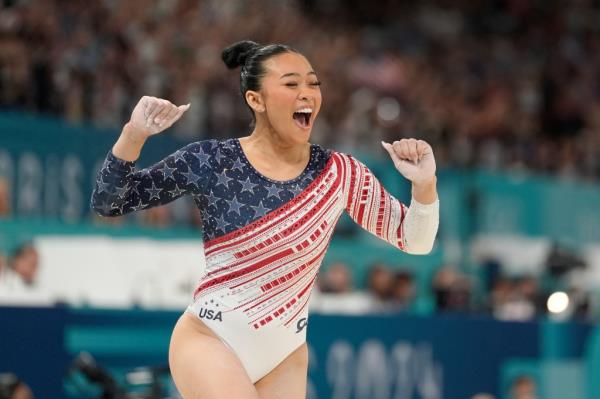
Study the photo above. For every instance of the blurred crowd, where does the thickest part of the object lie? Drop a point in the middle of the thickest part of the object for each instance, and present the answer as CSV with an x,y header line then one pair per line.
x,y
386,289
509,84
487,289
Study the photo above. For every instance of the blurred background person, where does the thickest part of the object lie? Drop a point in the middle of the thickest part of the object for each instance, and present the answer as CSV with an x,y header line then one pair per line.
x,y
403,291
379,286
11,387
337,279
523,387
452,290
5,210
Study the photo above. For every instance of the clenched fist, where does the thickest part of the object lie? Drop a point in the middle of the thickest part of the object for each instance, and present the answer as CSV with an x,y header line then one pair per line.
x,y
413,158
152,115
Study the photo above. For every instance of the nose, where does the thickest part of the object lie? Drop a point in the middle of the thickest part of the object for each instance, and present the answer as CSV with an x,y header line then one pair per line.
x,y
304,95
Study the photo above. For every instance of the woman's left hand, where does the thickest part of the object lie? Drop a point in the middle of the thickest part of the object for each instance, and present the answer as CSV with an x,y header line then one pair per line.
x,y
413,158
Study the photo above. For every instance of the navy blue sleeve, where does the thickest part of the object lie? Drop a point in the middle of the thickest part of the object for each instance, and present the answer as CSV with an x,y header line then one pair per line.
x,y
121,189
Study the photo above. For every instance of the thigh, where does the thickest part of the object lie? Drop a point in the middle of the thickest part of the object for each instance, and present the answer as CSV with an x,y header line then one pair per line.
x,y
288,379
202,366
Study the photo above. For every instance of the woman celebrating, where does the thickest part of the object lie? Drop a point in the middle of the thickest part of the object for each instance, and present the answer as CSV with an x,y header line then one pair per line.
x,y
269,203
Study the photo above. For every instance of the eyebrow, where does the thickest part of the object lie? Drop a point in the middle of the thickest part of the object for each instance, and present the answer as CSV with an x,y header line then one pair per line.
x,y
296,74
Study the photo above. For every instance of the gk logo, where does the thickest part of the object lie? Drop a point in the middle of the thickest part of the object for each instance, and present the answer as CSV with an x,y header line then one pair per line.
x,y
301,324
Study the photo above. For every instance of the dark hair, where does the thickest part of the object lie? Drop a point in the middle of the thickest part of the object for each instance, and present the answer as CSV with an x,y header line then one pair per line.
x,y
251,57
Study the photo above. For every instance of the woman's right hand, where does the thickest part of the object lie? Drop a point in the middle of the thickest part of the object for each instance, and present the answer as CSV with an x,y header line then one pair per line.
x,y
152,115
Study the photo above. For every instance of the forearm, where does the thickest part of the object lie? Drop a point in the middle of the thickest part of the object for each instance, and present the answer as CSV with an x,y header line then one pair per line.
x,y
425,193
420,227
129,144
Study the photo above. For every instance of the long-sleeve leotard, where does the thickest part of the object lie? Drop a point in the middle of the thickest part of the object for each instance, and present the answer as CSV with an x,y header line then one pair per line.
x,y
263,240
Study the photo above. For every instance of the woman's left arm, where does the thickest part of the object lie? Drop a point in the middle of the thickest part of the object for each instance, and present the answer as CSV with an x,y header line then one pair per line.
x,y
414,159
411,229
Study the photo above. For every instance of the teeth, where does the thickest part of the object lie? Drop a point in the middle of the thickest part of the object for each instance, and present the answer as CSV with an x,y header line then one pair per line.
x,y
305,110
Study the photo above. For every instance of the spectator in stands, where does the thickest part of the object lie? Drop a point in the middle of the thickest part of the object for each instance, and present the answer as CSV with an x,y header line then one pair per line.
x,y
379,286
19,282
24,263
483,396
5,210
335,293
158,217
11,387
403,290
523,387
452,290
3,266
514,300
515,95
337,279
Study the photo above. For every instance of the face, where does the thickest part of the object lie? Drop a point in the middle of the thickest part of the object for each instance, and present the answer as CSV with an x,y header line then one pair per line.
x,y
290,97
26,265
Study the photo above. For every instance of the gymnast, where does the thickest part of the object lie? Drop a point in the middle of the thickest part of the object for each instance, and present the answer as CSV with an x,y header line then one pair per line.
x,y
269,204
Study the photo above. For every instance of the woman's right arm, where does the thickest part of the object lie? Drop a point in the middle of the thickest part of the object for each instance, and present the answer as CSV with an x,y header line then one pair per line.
x,y
120,189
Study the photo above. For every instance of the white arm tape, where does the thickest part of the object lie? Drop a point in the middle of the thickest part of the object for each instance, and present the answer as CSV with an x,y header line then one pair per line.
x,y
420,227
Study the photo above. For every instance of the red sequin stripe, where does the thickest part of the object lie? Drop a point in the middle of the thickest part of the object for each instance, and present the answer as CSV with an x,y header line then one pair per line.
x,y
309,215
399,231
343,165
241,272
268,271
288,231
268,308
309,264
380,214
269,216
269,318
301,307
282,279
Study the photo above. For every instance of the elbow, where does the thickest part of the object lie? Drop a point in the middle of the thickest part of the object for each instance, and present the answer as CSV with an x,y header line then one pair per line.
x,y
100,208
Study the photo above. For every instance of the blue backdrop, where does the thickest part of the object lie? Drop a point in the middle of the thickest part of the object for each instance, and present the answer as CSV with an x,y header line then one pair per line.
x,y
375,357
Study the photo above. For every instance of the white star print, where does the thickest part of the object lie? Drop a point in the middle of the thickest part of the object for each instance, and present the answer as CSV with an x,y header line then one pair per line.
x,y
273,191
221,223
153,191
202,157
121,191
167,172
247,185
191,177
102,186
238,165
134,186
212,198
223,179
177,191
219,156
137,207
234,205
260,209
179,156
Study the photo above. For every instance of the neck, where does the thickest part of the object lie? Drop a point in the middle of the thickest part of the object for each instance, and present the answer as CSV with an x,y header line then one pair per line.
x,y
270,143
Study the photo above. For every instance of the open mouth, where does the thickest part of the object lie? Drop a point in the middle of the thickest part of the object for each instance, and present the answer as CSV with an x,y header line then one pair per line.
x,y
302,119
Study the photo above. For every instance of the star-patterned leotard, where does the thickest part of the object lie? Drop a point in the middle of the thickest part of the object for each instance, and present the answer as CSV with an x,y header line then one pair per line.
x,y
264,240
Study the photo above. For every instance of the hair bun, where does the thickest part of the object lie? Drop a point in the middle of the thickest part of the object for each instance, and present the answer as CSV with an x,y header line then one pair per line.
x,y
236,54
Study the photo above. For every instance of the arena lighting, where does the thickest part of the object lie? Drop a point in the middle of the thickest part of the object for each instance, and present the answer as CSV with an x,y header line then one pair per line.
x,y
558,302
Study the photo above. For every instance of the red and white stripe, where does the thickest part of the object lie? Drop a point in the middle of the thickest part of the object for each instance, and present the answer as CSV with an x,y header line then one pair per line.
x,y
268,268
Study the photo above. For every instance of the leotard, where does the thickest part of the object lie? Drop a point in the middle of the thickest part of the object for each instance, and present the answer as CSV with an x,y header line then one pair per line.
x,y
264,240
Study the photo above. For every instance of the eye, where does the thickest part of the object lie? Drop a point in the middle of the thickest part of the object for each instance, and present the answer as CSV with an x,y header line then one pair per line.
x,y
291,84
318,83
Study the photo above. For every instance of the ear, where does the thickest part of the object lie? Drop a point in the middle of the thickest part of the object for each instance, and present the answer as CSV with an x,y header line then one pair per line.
x,y
255,100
